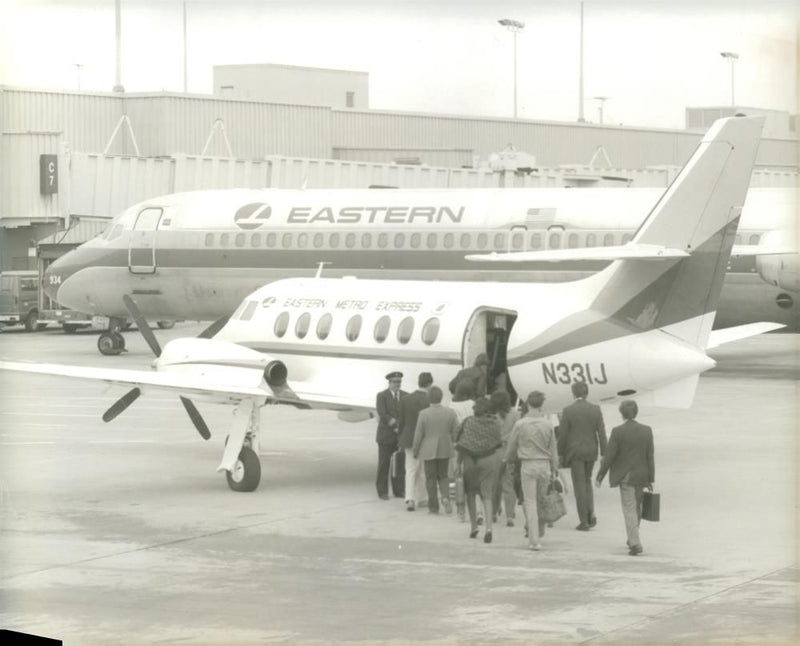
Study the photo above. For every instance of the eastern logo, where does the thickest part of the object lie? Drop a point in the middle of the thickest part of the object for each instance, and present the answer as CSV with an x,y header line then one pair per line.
x,y
252,216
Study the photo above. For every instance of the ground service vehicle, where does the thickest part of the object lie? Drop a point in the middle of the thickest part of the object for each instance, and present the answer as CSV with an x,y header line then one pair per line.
x,y
19,299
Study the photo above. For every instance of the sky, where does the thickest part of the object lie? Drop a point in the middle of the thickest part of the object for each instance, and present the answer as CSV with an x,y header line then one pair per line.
x,y
651,58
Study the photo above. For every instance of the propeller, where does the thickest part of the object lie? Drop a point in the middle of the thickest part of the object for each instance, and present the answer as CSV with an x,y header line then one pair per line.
x,y
132,395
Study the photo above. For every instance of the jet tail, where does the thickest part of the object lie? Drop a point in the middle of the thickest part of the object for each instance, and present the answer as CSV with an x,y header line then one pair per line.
x,y
698,213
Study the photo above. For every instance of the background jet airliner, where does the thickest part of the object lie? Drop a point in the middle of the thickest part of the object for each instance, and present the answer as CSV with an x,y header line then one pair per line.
x,y
638,328
196,255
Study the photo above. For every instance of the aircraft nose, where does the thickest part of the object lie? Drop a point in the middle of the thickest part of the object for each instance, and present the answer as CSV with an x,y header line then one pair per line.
x,y
55,276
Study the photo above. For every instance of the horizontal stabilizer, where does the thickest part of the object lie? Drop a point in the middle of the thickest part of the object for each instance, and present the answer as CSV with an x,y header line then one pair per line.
x,y
620,252
728,334
760,250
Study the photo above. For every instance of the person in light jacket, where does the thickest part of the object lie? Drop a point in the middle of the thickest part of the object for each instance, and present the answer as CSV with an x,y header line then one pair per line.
x,y
631,459
433,446
533,443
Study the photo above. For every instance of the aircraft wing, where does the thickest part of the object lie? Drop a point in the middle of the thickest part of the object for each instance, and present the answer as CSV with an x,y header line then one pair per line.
x,y
760,250
619,252
728,334
299,393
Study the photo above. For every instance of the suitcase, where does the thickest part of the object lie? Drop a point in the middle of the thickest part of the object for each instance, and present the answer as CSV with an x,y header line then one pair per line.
x,y
651,506
397,473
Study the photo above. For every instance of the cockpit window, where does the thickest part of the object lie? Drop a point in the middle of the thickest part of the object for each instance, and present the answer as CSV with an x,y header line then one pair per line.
x,y
248,311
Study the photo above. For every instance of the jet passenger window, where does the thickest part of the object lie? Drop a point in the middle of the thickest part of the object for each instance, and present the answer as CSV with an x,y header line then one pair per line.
x,y
353,328
431,242
382,328
333,241
483,240
281,323
416,240
516,241
754,238
350,240
324,326
405,329
318,240
399,240
255,240
591,240
465,240
608,240
499,241
271,239
572,241
627,238
448,240
302,240
430,331
555,241
536,241
224,240
286,241
383,240
301,327
366,241
239,241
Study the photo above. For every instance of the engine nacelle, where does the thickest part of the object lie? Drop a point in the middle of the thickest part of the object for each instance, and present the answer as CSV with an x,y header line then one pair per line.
x,y
781,270
275,374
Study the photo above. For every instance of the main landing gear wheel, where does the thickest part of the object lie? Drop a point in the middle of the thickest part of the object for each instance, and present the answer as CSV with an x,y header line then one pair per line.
x,y
111,343
246,473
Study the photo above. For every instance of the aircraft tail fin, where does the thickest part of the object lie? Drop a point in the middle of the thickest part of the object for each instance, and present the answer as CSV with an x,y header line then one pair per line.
x,y
698,213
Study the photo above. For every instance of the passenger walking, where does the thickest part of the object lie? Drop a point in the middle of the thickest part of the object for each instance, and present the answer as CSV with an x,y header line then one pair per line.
x,y
463,403
475,375
478,453
433,446
387,403
580,433
504,491
631,459
410,407
533,442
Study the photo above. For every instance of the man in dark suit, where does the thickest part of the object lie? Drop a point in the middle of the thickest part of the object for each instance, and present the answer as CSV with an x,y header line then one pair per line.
x,y
630,457
387,404
410,407
580,431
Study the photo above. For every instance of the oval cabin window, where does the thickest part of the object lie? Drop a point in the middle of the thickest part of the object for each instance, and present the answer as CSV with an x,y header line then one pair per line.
x,y
382,328
318,240
324,326
239,240
405,329
350,240
333,241
416,240
281,324
255,240
430,331
301,327
353,328
483,240
271,239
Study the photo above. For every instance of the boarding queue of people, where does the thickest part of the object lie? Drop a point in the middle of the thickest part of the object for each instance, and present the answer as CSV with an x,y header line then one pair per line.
x,y
487,458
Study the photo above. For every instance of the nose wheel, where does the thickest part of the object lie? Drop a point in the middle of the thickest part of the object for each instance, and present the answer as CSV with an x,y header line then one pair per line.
x,y
111,343
246,472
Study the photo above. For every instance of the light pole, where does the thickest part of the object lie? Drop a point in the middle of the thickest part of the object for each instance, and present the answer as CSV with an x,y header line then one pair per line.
x,y
79,69
514,26
602,101
732,58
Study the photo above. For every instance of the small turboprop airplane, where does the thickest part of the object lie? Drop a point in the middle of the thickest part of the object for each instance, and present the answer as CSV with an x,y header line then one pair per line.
x,y
638,328
196,255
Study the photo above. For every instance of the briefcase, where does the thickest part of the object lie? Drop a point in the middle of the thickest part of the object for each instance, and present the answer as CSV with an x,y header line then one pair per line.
x,y
397,473
651,506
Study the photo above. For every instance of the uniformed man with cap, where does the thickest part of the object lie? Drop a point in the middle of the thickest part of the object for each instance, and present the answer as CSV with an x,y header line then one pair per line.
x,y
388,406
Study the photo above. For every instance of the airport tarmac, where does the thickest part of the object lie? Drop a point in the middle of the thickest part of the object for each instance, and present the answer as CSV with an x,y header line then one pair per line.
x,y
124,532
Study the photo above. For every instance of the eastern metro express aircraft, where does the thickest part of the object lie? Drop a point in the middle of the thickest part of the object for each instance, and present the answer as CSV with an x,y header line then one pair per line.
x,y
638,328
196,255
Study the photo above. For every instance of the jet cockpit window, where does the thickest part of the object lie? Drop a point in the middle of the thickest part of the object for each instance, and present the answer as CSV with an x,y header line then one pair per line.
x,y
113,232
281,324
324,326
430,331
248,311
353,328
382,328
405,329
302,325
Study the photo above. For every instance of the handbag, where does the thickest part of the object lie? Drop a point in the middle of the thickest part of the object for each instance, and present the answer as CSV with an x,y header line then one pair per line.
x,y
551,505
651,506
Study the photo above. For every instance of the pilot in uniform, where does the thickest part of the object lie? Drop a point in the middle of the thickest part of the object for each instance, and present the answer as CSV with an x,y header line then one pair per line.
x,y
388,406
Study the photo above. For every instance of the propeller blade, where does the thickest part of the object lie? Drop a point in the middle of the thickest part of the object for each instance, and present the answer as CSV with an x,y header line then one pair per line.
x,y
141,323
196,417
121,404
212,329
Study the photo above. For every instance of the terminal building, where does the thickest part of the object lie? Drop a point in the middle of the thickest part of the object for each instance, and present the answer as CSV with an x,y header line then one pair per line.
x,y
70,157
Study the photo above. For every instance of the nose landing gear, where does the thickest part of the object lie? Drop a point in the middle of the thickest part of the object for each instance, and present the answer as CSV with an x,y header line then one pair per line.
x,y
111,342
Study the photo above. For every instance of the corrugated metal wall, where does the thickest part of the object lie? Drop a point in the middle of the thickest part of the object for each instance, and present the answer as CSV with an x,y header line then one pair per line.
x,y
19,178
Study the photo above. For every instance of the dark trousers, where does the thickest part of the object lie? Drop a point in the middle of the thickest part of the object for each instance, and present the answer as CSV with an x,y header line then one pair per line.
x,y
384,459
436,473
582,486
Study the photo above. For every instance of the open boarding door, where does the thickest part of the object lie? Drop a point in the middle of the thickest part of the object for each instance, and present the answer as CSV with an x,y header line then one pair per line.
x,y
487,332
